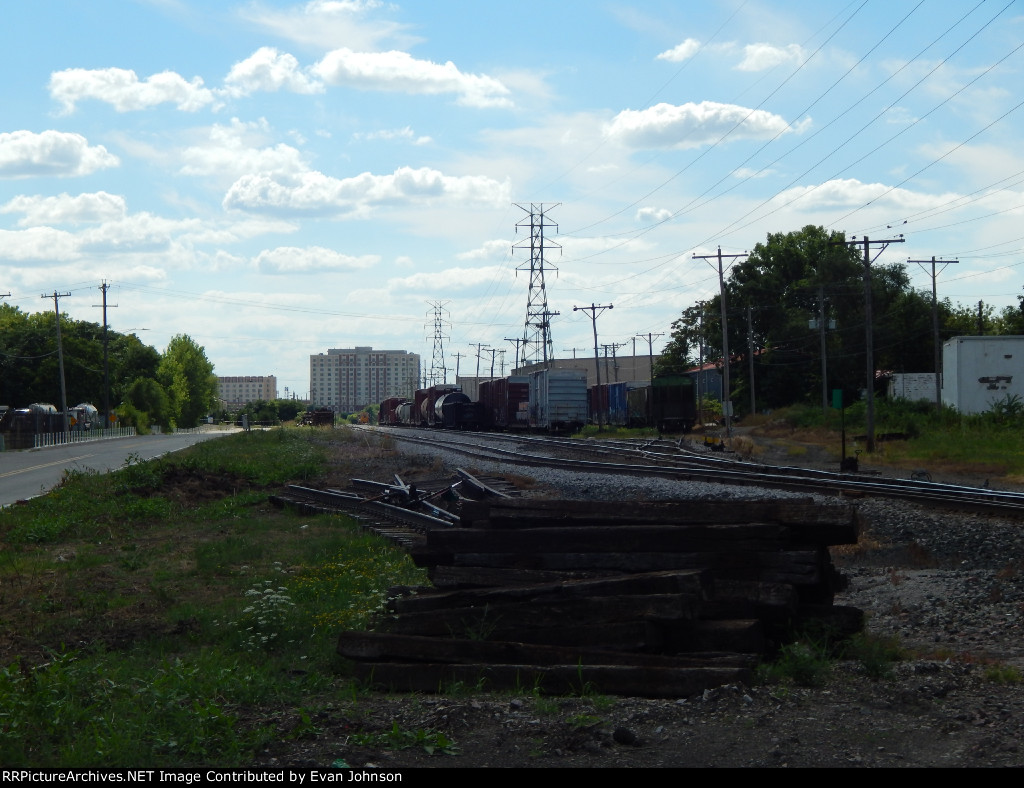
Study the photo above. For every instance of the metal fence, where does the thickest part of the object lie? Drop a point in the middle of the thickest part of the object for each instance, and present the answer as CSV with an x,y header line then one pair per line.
x,y
45,439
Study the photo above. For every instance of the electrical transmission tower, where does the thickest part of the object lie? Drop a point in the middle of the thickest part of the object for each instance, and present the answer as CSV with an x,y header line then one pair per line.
x,y
537,329
438,370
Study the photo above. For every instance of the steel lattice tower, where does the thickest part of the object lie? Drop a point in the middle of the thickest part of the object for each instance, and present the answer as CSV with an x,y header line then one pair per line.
x,y
438,370
537,345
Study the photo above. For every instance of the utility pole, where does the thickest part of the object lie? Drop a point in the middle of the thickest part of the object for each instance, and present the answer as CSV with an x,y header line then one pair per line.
x,y
615,361
750,352
869,336
650,350
537,328
479,349
458,357
517,342
935,323
650,357
824,349
60,358
106,365
726,392
593,309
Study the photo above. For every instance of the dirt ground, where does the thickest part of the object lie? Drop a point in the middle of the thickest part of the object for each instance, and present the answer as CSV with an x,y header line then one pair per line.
x,y
941,706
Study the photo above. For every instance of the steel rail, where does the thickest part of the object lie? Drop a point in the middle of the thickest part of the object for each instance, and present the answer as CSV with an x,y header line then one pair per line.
x,y
719,470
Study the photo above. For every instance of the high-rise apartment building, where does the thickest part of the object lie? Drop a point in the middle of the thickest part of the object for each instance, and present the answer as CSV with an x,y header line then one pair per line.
x,y
347,380
243,389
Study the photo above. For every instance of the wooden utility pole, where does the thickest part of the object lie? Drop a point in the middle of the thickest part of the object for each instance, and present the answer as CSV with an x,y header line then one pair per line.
x,y
60,359
869,335
935,324
726,392
106,365
593,309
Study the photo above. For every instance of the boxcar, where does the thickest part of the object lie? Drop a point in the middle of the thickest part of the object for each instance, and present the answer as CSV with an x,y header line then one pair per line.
x,y
558,399
507,402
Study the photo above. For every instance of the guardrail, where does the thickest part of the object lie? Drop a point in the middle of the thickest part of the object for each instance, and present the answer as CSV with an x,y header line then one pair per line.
x,y
46,439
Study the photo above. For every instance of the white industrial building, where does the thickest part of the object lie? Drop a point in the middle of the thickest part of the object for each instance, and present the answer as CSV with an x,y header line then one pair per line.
x,y
980,371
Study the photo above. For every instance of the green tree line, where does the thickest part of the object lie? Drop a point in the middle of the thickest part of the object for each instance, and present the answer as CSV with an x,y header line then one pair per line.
x,y
175,388
775,300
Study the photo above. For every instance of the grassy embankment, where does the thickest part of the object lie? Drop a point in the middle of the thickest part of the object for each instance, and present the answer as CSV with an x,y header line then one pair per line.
x,y
167,615
911,435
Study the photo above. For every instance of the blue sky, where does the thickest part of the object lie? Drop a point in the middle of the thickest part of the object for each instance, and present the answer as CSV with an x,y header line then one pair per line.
x,y
275,179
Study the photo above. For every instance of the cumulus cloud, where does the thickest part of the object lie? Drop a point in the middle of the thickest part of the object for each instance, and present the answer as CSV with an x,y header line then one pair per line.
x,y
125,92
25,154
692,125
315,193
310,260
760,57
399,71
38,243
268,70
491,250
455,279
66,209
851,193
681,52
651,214
237,148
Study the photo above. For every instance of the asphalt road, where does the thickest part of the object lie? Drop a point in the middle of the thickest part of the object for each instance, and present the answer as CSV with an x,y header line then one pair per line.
x,y
26,474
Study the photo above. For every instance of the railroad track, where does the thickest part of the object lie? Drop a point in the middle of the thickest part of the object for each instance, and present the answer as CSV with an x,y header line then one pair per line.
x,y
400,512
663,459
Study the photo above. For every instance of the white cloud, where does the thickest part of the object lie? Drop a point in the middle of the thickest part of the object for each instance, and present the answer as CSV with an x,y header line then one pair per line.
x,y
393,134
747,172
851,193
65,209
681,52
316,193
321,24
692,125
310,260
760,57
399,71
651,214
236,149
25,154
39,244
122,89
455,279
268,70
491,250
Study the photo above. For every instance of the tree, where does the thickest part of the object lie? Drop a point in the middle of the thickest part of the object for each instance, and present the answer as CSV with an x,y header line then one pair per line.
x,y
187,377
148,398
776,299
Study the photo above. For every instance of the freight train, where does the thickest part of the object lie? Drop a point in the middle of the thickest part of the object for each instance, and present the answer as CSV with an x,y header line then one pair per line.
x,y
550,400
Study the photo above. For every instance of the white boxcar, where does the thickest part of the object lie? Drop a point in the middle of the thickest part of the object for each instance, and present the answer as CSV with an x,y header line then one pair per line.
x,y
558,399
980,371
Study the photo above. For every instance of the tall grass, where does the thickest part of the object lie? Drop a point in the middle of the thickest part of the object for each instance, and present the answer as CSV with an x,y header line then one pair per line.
x,y
161,625
986,442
